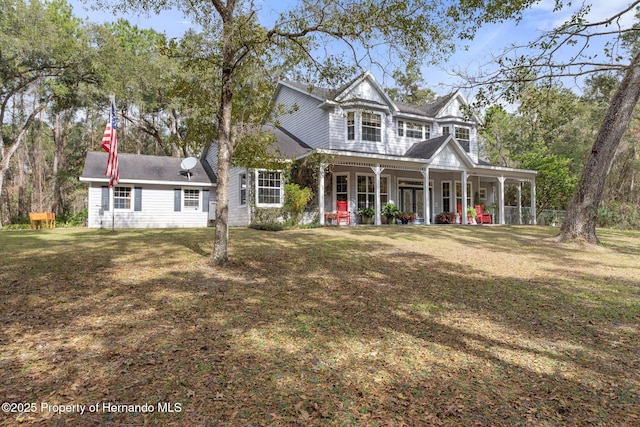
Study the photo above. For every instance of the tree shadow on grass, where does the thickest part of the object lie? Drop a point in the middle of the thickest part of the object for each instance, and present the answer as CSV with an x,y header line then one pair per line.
x,y
312,329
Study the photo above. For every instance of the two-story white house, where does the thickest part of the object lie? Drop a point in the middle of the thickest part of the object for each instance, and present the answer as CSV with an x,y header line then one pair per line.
x,y
424,158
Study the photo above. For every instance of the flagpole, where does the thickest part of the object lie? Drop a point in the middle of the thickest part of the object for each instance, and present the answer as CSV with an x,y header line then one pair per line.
x,y
110,145
112,101
113,209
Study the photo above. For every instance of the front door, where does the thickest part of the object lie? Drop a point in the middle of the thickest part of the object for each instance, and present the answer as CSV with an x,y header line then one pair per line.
x,y
412,200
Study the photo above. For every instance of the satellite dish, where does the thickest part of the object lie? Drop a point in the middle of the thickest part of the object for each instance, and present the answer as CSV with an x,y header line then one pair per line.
x,y
188,164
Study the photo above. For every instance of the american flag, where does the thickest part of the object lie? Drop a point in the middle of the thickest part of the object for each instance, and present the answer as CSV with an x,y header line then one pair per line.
x,y
110,145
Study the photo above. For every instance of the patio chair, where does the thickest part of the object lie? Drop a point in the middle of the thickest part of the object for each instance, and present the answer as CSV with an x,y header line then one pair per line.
x,y
481,216
343,212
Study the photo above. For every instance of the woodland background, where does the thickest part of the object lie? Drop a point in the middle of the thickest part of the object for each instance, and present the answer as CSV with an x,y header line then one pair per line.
x,y
57,72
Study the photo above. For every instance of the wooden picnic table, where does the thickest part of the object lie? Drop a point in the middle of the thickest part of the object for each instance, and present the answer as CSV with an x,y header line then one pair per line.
x,y
36,218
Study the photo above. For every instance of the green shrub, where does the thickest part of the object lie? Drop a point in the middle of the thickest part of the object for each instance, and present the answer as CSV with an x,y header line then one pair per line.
x,y
295,201
16,227
23,219
77,219
268,226
625,216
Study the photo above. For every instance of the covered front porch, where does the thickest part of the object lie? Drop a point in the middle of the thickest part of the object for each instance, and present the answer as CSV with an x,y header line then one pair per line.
x,y
415,186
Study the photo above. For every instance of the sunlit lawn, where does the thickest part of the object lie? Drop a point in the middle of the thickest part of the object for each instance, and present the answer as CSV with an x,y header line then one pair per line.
x,y
399,325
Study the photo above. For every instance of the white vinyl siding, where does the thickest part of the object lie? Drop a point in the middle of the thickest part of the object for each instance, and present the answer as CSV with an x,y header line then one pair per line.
x,y
309,122
157,210
240,214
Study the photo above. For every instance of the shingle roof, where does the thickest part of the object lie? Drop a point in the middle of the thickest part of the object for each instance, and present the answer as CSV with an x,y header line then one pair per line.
x,y
433,108
288,144
139,167
428,110
426,149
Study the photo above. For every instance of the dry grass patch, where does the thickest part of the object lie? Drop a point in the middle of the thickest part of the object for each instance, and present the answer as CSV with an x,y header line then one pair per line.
x,y
335,326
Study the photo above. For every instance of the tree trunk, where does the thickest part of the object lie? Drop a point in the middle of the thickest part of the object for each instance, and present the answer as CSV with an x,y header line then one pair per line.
x,y
220,254
6,153
582,212
59,165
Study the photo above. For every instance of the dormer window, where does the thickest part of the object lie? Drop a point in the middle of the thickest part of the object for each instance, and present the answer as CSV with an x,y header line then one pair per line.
x,y
371,127
364,126
462,135
412,129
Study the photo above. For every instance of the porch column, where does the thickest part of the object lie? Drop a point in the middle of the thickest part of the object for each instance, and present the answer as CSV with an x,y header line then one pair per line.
x,y
501,180
426,196
463,220
520,203
323,167
534,214
377,170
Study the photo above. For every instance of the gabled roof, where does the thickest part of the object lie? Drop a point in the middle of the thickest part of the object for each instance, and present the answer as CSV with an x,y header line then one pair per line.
x,y
431,149
285,142
430,110
426,149
433,108
144,168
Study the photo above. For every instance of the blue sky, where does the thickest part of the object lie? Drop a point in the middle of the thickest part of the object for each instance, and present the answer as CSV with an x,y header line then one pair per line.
x,y
489,41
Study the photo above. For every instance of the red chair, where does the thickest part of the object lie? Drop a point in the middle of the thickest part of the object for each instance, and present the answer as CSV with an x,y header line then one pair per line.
x,y
343,212
481,216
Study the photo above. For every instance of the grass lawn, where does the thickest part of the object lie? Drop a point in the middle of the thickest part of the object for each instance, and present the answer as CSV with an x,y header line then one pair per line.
x,y
371,326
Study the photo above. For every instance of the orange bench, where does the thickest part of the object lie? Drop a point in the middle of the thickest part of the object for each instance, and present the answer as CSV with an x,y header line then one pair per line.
x,y
36,218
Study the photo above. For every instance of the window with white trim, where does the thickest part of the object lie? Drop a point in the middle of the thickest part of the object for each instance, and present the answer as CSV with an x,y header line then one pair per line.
x,y
445,130
190,199
459,194
371,127
122,197
414,130
462,135
366,192
242,179
446,196
351,126
342,188
411,129
269,190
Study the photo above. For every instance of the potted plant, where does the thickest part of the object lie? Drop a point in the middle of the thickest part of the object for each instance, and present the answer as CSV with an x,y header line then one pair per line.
x,y
406,217
330,218
366,214
446,218
471,215
390,211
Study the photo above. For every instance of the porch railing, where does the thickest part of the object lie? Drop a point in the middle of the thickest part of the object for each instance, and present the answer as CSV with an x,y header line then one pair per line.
x,y
546,217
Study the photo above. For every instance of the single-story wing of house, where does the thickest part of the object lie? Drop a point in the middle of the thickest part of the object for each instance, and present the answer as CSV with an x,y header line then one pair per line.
x,y
153,192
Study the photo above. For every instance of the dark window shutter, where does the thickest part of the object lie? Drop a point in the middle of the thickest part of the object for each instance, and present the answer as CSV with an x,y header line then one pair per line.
x,y
205,200
105,199
177,200
137,199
